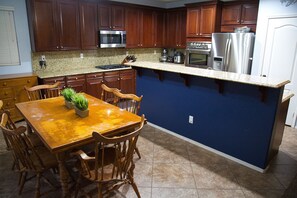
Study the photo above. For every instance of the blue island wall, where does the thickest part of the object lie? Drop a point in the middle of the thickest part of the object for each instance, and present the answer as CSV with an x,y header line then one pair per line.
x,y
236,122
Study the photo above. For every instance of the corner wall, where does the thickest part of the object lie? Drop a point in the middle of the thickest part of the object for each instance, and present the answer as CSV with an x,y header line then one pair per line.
x,y
22,30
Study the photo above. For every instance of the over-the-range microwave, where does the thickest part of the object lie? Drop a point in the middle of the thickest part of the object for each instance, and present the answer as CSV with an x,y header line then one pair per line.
x,y
111,38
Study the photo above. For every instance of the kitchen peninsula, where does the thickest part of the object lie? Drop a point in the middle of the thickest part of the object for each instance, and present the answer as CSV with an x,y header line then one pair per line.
x,y
238,116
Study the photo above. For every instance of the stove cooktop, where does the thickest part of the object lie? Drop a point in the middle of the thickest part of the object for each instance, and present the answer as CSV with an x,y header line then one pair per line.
x,y
114,66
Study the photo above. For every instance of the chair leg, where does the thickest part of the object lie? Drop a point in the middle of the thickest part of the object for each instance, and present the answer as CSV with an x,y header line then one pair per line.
x,y
134,186
138,153
100,195
22,183
77,186
37,191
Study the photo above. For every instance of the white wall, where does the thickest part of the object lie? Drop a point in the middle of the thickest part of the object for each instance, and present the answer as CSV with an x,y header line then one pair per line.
x,y
267,9
21,23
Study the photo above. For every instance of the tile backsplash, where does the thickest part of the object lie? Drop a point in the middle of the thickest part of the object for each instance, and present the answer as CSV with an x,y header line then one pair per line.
x,y
69,60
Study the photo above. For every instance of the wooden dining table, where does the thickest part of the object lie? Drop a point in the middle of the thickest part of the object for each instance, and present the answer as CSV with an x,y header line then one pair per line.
x,y
62,131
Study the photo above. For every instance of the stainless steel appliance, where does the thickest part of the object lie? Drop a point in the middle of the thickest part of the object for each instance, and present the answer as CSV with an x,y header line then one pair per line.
x,y
178,58
198,54
164,55
232,52
112,39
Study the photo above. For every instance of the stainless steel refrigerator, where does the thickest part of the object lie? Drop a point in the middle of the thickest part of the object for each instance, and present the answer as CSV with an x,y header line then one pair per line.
x,y
232,52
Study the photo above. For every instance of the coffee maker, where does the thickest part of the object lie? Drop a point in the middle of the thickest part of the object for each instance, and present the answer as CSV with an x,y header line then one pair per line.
x,y
164,55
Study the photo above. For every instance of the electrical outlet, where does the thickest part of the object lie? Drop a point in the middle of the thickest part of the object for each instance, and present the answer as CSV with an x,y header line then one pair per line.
x,y
155,52
81,55
127,53
191,119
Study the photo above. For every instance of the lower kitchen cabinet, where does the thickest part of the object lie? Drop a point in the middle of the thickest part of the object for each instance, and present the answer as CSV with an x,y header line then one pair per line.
x,y
94,82
77,82
12,91
91,83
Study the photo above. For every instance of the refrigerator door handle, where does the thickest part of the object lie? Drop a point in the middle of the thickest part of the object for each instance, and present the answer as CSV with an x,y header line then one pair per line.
x,y
225,56
228,55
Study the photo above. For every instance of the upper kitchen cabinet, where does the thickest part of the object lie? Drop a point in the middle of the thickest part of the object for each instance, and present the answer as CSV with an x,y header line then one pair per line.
x,y
158,28
238,14
111,17
133,27
88,25
54,24
175,36
202,19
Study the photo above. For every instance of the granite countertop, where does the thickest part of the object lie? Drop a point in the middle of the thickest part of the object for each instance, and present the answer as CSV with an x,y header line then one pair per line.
x,y
49,74
220,75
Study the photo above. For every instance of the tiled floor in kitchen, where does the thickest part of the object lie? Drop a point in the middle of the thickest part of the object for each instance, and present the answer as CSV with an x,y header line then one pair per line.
x,y
173,168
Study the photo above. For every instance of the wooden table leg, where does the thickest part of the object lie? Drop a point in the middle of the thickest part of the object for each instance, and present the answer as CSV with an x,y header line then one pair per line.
x,y
63,174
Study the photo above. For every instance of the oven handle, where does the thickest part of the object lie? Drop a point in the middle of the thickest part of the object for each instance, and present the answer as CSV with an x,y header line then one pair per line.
x,y
196,51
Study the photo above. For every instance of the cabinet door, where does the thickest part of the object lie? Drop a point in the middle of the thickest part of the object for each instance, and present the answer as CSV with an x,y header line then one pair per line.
x,y
132,26
44,25
193,20
68,15
249,14
158,28
147,29
127,81
207,20
104,22
231,14
118,17
112,80
76,82
181,37
88,25
171,29
94,82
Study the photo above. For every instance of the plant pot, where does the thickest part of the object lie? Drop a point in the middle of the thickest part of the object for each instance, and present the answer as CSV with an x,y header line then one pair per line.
x,y
68,104
81,113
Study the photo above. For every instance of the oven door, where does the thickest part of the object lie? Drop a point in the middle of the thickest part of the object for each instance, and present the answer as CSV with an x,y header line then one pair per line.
x,y
198,58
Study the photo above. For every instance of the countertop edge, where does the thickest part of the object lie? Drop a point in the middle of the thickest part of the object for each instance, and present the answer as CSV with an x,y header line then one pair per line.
x,y
219,75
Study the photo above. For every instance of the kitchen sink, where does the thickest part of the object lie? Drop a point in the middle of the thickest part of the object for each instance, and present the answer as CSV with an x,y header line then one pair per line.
x,y
114,66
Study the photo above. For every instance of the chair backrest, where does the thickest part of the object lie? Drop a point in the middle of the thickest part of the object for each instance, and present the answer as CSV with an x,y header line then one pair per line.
x,y
107,93
24,152
40,92
114,156
128,102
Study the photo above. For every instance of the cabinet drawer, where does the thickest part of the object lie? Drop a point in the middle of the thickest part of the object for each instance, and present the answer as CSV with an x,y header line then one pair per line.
x,y
75,78
8,103
94,76
114,73
6,93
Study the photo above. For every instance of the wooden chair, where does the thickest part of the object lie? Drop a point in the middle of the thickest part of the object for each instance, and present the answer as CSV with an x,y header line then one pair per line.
x,y
29,159
128,102
112,165
43,91
107,93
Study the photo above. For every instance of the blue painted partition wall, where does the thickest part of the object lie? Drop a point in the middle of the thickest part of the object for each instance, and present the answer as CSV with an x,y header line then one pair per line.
x,y
235,122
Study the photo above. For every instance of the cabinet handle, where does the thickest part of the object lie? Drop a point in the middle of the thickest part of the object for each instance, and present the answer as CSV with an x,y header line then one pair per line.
x,y
15,99
109,27
76,78
113,27
5,93
95,76
55,81
238,21
4,84
28,81
97,45
102,81
57,47
62,47
118,78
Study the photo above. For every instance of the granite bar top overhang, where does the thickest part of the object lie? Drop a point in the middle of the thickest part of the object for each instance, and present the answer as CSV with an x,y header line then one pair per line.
x,y
220,75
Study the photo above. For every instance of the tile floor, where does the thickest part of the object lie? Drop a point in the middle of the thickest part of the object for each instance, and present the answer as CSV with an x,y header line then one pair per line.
x,y
173,168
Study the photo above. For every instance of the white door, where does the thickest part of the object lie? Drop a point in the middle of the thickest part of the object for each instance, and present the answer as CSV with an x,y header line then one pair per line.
x,y
280,57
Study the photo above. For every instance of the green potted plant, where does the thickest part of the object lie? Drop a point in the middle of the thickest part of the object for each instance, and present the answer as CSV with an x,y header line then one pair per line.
x,y
81,105
68,93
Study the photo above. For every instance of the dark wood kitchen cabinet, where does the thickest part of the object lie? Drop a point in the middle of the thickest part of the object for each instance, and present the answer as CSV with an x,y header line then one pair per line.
x,y
53,80
127,81
94,82
88,24
54,24
202,20
238,14
158,28
111,17
77,82
175,36
134,27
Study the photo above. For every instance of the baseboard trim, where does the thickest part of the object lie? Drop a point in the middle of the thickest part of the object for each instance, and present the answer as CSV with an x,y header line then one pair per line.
x,y
209,149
